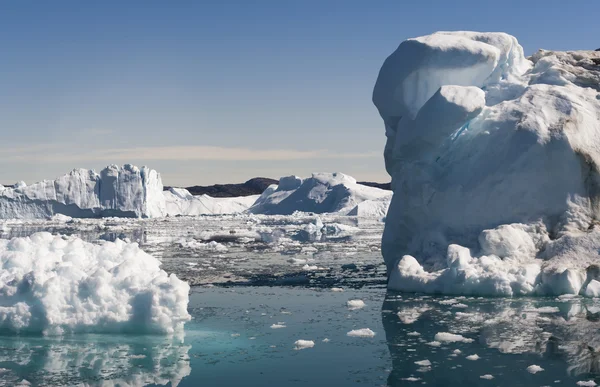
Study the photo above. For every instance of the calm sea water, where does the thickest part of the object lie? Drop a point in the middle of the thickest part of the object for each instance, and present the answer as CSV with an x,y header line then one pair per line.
x,y
244,336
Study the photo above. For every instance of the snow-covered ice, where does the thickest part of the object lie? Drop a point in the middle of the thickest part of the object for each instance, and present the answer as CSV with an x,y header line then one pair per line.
x,y
534,369
355,304
53,285
447,337
363,332
494,163
322,193
303,344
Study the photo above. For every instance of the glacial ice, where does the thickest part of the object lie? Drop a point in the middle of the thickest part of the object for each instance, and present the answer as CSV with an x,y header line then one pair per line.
x,y
494,163
321,193
126,191
55,285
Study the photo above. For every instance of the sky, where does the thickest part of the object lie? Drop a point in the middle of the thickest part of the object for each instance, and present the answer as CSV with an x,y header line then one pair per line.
x,y
221,91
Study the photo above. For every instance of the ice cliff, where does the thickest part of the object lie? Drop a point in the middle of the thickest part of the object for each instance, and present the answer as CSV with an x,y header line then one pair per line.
x,y
126,191
494,162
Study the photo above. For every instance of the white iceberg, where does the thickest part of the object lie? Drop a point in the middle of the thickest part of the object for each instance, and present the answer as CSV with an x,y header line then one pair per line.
x,y
494,163
321,193
54,285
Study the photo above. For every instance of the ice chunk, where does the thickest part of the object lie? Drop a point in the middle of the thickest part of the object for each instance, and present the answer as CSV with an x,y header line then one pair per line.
x,y
447,337
303,344
54,285
356,304
473,357
364,332
424,363
534,369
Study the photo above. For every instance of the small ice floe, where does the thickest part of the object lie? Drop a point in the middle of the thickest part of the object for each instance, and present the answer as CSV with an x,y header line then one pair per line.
x,y
137,356
326,340
473,357
423,363
411,379
451,301
457,351
544,309
534,369
279,325
463,306
486,376
409,316
364,332
415,333
586,383
434,343
447,337
235,335
355,304
303,344
337,289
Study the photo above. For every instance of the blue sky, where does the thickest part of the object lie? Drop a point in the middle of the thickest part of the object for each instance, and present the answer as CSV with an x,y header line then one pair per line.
x,y
221,91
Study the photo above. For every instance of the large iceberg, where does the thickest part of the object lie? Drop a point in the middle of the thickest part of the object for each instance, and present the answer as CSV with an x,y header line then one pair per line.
x,y
54,285
126,191
494,162
322,193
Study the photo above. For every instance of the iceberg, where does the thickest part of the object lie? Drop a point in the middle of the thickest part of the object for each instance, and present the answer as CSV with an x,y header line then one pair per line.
x,y
55,285
494,162
180,201
321,193
126,191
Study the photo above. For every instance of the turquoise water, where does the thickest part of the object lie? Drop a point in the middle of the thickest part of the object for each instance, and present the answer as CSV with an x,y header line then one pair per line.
x,y
231,342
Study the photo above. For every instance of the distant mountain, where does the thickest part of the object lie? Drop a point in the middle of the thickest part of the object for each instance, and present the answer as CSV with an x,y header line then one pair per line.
x,y
254,186
386,186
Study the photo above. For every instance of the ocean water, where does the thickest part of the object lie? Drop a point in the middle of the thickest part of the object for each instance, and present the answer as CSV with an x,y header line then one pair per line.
x,y
272,284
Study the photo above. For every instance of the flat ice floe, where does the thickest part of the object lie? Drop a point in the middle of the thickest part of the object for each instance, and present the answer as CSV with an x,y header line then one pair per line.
x,y
54,285
494,159
363,332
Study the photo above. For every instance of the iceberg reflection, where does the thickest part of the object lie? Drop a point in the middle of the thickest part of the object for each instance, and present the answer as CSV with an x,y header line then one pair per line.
x,y
101,360
560,335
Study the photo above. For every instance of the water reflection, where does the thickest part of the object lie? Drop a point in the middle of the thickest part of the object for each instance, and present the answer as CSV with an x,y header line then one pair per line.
x,y
93,360
492,340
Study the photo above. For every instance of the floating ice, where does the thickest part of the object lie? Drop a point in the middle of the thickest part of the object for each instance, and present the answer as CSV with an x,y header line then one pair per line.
x,y
487,377
410,315
321,193
446,337
303,344
534,369
473,357
364,332
54,285
355,304
494,164
279,325
424,363
586,383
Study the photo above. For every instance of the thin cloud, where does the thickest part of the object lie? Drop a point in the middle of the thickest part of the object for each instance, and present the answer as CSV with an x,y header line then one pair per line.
x,y
55,153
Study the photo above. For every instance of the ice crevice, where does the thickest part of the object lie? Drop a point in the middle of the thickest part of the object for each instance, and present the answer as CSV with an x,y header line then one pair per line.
x,y
494,163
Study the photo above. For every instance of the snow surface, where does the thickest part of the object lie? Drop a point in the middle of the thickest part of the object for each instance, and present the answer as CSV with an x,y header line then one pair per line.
x,y
494,163
322,193
54,285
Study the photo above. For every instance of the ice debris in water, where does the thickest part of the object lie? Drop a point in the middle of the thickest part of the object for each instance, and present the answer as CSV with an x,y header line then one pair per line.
x,y
446,337
303,344
355,304
473,357
364,332
534,369
586,383
424,363
54,285
279,325
487,376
